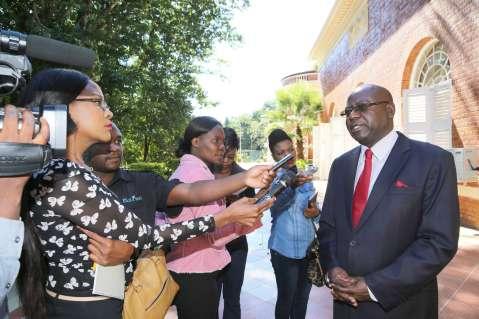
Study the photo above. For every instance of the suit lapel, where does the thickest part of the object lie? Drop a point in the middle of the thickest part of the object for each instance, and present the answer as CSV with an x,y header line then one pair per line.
x,y
397,158
349,175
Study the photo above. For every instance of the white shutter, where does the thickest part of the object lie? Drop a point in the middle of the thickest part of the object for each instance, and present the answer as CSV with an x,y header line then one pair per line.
x,y
441,120
416,102
427,114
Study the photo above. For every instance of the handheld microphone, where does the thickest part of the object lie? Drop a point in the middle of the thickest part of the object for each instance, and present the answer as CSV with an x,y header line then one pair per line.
x,y
278,185
282,162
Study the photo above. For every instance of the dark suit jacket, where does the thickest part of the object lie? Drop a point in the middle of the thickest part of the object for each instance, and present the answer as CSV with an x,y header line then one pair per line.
x,y
408,231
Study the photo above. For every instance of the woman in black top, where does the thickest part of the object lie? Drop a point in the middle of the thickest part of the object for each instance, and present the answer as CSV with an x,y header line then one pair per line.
x,y
231,279
66,194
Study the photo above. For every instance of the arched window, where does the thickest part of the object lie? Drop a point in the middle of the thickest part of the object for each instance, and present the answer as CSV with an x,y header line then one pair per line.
x,y
427,103
432,66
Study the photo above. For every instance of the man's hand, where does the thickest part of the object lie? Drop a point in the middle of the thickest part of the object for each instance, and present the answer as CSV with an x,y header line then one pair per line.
x,y
12,187
340,278
259,176
107,252
354,293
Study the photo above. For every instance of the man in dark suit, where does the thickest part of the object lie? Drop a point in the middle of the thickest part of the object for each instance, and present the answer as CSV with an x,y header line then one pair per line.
x,y
390,220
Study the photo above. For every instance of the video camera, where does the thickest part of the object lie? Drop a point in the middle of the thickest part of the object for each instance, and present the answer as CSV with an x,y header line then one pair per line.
x,y
15,71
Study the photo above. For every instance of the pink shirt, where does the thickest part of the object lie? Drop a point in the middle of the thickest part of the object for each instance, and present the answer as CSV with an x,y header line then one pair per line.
x,y
207,253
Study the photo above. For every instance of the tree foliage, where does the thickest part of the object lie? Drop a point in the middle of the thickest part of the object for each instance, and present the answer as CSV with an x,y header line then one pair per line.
x,y
251,131
149,52
296,111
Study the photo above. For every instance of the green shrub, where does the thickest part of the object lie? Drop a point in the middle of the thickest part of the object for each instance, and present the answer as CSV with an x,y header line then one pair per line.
x,y
164,169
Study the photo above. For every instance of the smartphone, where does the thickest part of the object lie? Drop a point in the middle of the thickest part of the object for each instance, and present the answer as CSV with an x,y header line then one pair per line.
x,y
310,170
282,161
312,199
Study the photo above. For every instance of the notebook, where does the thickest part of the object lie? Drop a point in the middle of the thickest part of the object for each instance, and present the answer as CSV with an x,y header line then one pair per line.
x,y
110,281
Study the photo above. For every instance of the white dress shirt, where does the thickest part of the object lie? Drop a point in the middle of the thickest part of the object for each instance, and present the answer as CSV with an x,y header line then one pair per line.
x,y
381,151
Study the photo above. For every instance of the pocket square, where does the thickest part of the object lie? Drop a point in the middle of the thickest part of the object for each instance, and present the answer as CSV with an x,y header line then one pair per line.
x,y
400,184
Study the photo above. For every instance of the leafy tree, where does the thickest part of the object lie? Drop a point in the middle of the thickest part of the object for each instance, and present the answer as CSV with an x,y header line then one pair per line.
x,y
148,54
296,111
251,131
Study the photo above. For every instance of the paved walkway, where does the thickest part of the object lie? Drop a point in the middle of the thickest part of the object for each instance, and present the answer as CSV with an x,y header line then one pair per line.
x,y
458,283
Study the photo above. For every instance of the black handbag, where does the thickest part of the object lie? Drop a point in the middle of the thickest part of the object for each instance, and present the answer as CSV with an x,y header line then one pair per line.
x,y
314,270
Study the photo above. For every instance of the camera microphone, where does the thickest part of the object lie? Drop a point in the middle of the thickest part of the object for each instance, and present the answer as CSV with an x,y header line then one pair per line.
x,y
46,49
59,52
278,185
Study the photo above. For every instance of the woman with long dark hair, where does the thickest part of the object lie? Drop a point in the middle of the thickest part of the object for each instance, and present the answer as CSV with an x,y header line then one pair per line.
x,y
196,265
66,194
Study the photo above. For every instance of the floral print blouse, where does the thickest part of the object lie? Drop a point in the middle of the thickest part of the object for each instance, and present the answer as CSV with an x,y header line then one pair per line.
x,y
65,195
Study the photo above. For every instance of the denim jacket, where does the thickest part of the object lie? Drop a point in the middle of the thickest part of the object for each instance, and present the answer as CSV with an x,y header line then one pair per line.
x,y
291,232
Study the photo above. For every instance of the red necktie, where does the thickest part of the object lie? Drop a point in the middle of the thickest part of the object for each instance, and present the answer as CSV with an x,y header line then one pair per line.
x,y
360,197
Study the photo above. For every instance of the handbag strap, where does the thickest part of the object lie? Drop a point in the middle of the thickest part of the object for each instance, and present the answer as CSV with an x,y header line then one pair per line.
x,y
317,241
315,231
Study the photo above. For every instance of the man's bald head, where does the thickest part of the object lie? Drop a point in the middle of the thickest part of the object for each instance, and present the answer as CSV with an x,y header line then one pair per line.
x,y
370,112
373,90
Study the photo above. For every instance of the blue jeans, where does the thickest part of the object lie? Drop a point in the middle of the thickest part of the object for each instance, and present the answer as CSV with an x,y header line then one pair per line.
x,y
293,286
3,309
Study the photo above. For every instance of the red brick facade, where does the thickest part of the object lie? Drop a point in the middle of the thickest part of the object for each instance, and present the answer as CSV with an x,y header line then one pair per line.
x,y
469,213
385,55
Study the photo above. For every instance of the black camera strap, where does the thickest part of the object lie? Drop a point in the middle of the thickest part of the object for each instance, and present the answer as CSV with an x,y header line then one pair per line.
x,y
20,159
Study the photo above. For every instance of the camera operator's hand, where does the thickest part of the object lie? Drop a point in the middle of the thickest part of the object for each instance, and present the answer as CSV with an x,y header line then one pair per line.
x,y
12,187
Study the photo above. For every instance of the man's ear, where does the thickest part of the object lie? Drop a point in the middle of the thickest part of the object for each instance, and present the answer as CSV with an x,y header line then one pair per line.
x,y
391,109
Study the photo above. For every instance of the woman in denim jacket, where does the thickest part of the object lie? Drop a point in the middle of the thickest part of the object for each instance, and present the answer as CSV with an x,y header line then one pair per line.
x,y
291,234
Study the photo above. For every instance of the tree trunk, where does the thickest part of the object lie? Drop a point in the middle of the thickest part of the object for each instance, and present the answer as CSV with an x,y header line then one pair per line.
x,y
146,148
299,143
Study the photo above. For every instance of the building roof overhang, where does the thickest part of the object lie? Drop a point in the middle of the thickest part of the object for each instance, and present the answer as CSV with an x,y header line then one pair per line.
x,y
337,23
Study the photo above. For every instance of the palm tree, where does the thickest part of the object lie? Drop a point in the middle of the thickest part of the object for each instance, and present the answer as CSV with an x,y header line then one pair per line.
x,y
296,111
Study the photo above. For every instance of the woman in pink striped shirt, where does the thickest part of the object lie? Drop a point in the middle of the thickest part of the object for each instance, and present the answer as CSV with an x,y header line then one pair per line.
x,y
195,265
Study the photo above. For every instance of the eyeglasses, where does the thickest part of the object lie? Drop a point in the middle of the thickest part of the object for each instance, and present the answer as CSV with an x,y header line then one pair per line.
x,y
360,107
99,102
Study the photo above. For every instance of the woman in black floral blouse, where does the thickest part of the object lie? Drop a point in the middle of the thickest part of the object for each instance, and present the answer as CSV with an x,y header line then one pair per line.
x,y
66,194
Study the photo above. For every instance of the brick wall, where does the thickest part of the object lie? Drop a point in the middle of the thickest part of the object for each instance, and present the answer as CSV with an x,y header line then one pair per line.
x,y
398,30
469,211
385,55
385,18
